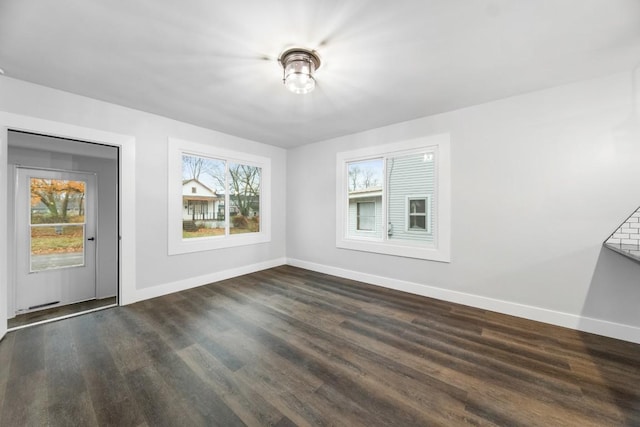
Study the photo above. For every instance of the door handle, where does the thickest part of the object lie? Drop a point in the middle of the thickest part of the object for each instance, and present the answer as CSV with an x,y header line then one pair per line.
x,y
91,238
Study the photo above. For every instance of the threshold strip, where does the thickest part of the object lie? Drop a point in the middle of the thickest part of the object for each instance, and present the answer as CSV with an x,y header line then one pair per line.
x,y
55,319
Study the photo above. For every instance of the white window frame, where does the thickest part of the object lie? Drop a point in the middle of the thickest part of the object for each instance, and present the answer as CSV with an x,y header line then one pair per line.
x,y
440,249
427,213
178,245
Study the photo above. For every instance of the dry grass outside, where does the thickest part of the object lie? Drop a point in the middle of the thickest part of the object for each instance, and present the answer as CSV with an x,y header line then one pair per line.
x,y
39,218
243,224
238,230
250,225
203,232
47,240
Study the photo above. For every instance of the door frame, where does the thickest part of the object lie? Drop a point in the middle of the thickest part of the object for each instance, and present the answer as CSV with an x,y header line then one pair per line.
x,y
126,194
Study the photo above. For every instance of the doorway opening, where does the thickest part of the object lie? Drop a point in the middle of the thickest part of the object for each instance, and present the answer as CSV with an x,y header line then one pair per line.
x,y
64,222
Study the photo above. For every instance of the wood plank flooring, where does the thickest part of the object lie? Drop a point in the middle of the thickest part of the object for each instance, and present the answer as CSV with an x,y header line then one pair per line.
x,y
287,346
64,310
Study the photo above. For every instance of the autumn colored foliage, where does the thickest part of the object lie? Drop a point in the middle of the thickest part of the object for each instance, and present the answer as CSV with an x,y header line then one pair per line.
x,y
64,200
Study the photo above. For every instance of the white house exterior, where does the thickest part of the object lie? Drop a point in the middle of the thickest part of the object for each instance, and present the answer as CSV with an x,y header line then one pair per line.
x,y
409,200
199,202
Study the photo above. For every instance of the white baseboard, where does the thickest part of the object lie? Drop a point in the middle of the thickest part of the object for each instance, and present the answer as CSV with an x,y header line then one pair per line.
x,y
567,320
192,282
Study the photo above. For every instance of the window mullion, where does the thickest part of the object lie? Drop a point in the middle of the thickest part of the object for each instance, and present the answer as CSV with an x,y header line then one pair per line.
x,y
227,199
383,201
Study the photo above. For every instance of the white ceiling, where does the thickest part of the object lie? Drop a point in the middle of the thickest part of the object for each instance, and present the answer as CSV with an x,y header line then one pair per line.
x,y
214,63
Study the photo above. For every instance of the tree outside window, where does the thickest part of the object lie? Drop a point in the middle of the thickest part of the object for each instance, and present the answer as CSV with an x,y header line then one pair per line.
x,y
226,193
57,201
219,198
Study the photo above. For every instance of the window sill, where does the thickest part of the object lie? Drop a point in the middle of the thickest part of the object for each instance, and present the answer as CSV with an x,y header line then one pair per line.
x,y
405,250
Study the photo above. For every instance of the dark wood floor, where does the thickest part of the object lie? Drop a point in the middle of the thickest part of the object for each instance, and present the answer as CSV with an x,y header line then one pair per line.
x,y
290,347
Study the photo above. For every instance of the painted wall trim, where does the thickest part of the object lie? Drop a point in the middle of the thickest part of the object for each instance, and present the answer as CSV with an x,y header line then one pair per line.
x,y
4,245
567,320
194,282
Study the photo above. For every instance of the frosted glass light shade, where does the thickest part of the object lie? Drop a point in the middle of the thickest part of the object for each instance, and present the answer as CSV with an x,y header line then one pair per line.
x,y
299,66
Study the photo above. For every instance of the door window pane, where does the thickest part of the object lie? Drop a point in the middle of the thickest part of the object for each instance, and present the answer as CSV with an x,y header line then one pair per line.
x,y
56,246
56,201
54,205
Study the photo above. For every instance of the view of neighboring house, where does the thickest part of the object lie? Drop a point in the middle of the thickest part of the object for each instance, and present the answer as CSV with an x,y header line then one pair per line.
x,y
200,203
365,212
410,185
410,188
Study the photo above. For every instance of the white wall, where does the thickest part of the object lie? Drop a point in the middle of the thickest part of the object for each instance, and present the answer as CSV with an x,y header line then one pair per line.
x,y
156,272
539,181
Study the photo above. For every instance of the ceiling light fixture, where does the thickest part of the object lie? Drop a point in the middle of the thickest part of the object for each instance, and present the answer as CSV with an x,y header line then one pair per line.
x,y
298,67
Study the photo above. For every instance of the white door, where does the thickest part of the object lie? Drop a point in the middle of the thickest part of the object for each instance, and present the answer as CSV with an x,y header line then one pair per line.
x,y
55,238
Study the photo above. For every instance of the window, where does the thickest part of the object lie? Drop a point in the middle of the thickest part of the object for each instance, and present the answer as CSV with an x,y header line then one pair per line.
x,y
364,195
366,216
217,198
419,213
394,199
